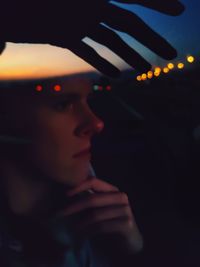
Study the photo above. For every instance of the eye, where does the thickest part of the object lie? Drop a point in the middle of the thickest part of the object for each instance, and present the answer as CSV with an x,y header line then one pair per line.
x,y
64,105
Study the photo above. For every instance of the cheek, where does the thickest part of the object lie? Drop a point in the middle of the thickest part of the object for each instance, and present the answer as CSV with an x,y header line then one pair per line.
x,y
53,141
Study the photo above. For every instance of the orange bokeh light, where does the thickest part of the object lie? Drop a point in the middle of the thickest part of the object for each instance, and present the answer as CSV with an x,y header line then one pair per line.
x,y
158,69
150,74
156,73
180,65
170,66
165,70
144,76
190,59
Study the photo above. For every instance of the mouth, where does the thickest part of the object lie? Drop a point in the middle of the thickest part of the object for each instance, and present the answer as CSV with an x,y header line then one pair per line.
x,y
83,153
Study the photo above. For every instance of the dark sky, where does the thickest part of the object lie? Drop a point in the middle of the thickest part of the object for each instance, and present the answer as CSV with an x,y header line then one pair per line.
x,y
183,32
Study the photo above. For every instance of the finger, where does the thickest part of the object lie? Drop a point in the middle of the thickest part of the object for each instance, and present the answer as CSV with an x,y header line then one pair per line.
x,y
170,7
105,213
2,47
88,54
110,39
125,21
94,184
95,201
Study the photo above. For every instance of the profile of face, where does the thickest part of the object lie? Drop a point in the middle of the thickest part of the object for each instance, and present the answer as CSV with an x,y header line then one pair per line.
x,y
60,125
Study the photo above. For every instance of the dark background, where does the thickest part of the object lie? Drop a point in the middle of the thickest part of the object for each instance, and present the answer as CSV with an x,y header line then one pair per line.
x,y
154,158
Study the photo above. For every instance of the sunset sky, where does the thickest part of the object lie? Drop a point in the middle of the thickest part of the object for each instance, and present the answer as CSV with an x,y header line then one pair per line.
x,y
28,60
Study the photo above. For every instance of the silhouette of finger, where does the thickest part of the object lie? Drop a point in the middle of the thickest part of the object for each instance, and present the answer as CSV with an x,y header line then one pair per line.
x,y
2,46
125,21
88,54
111,40
170,7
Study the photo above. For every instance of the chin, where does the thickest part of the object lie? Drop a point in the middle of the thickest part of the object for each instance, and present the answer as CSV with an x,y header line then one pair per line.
x,y
75,176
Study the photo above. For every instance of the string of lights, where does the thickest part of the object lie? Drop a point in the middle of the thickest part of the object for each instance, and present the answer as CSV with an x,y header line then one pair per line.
x,y
157,71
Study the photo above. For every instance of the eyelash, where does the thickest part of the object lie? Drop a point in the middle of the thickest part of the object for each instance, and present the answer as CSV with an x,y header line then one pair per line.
x,y
65,105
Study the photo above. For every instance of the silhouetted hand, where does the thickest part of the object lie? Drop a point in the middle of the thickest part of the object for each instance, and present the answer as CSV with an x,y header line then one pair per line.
x,y
66,23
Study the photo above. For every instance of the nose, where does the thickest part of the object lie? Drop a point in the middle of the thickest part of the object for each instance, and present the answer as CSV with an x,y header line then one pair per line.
x,y
90,124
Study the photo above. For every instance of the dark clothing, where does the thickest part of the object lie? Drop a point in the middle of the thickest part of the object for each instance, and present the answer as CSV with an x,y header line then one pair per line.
x,y
43,250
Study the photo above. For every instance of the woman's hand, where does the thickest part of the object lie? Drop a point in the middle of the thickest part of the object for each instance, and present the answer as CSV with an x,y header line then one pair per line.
x,y
106,211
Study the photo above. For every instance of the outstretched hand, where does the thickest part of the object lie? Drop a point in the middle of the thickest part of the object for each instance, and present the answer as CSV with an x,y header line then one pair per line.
x,y
66,23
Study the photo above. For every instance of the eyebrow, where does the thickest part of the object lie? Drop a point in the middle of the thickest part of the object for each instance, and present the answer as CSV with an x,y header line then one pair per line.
x,y
69,95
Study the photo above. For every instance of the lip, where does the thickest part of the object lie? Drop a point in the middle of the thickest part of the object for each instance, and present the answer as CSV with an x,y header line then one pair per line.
x,y
82,153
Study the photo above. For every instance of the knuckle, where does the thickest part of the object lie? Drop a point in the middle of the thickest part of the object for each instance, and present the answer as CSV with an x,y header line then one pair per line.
x,y
92,181
130,222
92,200
127,210
124,197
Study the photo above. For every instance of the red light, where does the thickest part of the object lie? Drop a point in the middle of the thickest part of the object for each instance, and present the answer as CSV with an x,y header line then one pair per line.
x,y
57,88
108,87
39,88
100,88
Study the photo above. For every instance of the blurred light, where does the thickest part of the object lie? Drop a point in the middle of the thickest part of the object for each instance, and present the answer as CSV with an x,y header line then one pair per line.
x,y
190,59
108,88
180,65
165,70
100,88
96,87
170,66
38,88
139,78
150,74
156,73
157,69
144,76
57,88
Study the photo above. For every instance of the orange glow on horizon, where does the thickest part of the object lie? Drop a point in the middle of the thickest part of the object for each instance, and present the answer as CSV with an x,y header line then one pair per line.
x,y
33,61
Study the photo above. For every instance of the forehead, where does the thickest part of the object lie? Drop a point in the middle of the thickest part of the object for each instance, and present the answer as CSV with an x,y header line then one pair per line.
x,y
59,88
48,88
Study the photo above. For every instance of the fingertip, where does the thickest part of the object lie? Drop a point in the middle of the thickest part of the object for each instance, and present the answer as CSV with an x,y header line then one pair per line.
x,y
170,54
2,47
144,67
109,70
180,8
